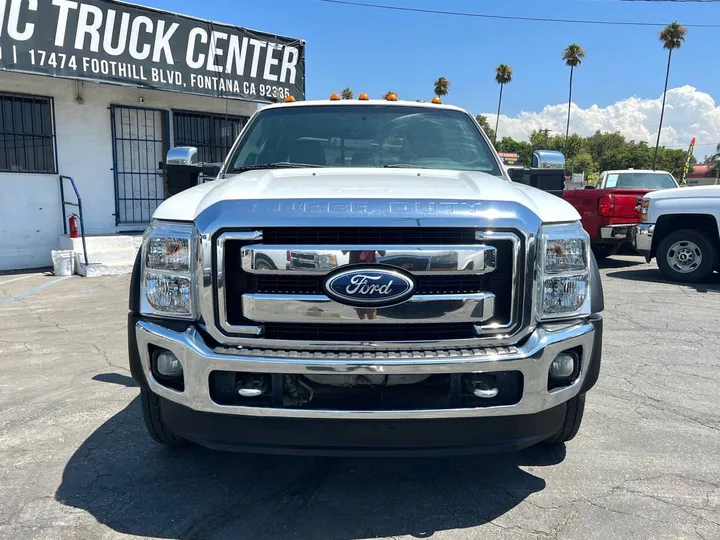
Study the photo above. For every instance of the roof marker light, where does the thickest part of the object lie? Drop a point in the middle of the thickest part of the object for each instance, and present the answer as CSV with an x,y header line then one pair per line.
x,y
363,96
437,100
391,97
289,99
335,97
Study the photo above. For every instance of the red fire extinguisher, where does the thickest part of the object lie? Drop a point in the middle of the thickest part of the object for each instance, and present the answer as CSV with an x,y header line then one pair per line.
x,y
73,222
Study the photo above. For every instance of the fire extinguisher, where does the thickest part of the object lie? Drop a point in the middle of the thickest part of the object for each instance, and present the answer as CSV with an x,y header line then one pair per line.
x,y
73,222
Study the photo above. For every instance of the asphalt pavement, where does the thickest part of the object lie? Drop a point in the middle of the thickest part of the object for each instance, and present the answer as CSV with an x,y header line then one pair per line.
x,y
76,462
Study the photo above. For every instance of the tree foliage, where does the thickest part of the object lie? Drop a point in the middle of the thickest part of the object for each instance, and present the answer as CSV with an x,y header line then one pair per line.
x,y
347,93
598,152
441,86
673,35
485,125
573,55
503,74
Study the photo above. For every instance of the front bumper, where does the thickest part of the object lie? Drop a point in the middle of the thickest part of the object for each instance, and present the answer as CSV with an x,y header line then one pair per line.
x,y
642,237
616,233
532,358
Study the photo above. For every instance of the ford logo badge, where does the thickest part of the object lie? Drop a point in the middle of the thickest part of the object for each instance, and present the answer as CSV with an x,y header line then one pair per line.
x,y
369,286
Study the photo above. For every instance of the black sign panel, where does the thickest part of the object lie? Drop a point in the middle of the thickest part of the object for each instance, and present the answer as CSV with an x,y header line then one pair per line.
x,y
109,41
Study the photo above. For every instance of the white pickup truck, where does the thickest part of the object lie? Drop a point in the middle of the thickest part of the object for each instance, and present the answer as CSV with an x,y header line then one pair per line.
x,y
679,227
364,276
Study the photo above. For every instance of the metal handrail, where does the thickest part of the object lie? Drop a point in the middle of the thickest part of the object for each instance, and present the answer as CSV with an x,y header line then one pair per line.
x,y
78,204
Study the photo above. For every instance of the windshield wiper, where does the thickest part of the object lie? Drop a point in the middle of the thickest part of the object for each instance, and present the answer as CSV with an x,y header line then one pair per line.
x,y
276,165
403,166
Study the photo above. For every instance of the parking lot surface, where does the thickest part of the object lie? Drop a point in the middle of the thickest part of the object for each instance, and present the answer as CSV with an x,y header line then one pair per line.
x,y
76,462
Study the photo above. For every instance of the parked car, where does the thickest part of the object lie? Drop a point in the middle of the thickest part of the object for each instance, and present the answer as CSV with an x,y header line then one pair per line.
x,y
679,228
406,298
611,208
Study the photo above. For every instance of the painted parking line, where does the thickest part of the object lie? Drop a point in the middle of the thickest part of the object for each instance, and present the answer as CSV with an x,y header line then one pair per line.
x,y
19,278
32,290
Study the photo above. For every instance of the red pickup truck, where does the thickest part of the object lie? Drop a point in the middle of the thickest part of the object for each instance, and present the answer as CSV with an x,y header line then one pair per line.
x,y
610,209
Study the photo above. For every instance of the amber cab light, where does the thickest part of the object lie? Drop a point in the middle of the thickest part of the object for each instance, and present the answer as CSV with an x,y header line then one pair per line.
x,y
606,205
436,100
364,97
335,97
289,99
391,97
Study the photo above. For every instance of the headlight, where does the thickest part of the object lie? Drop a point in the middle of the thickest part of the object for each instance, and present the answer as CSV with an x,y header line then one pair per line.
x,y
563,276
327,261
168,252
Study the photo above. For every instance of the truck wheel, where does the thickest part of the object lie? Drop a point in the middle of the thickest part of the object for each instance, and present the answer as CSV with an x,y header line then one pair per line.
x,y
573,418
686,255
603,251
152,414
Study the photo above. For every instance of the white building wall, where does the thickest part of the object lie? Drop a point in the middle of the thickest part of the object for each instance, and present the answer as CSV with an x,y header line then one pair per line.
x,y
30,210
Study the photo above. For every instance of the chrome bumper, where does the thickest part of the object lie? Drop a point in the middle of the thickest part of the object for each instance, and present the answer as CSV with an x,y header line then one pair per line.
x,y
616,232
642,238
533,359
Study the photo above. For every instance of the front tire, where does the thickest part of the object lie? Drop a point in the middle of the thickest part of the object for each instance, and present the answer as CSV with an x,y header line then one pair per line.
x,y
157,428
573,418
687,256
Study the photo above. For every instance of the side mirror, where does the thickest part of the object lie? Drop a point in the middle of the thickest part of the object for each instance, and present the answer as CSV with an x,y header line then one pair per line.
x,y
547,172
183,169
183,155
548,159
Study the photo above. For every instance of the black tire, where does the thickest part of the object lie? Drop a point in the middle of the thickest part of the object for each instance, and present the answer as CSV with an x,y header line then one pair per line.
x,y
574,410
697,244
152,413
603,251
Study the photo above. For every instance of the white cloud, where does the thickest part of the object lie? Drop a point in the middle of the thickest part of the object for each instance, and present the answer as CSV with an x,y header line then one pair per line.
x,y
688,113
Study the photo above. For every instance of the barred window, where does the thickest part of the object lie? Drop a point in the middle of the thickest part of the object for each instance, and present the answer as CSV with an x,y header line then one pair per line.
x,y
212,134
27,135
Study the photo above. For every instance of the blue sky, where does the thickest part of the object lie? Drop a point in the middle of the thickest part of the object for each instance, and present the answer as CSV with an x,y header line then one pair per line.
x,y
376,50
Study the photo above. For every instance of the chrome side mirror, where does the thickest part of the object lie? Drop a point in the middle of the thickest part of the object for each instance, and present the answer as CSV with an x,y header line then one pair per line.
x,y
548,159
183,155
183,169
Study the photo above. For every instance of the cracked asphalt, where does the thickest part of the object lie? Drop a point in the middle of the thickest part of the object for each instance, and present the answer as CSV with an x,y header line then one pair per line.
x,y
76,462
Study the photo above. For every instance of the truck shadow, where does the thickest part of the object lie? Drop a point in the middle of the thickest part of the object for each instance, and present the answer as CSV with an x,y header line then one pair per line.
x,y
653,275
134,486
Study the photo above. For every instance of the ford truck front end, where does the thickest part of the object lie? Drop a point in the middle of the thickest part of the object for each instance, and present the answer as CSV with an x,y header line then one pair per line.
x,y
419,302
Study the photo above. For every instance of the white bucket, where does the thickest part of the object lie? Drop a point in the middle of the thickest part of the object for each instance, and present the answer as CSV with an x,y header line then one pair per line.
x,y
63,262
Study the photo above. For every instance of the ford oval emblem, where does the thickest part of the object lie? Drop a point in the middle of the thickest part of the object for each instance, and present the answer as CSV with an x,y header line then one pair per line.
x,y
369,286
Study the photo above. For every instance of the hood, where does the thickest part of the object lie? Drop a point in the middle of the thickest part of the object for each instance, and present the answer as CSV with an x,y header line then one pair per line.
x,y
685,193
366,183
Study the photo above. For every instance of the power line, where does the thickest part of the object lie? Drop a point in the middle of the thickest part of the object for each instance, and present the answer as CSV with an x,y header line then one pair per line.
x,y
504,17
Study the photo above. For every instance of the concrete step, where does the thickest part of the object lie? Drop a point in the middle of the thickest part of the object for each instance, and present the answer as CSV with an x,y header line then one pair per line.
x,y
107,254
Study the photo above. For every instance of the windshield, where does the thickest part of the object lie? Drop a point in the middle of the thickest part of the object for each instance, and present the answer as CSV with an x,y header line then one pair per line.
x,y
364,136
640,180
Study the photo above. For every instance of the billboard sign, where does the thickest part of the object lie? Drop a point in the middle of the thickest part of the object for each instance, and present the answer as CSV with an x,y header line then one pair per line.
x,y
115,42
509,158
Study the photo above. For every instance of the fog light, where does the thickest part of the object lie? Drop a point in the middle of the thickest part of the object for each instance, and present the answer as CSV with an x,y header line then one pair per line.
x,y
563,366
167,364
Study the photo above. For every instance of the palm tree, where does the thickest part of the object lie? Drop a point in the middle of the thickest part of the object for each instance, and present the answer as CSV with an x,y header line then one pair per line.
x,y
672,37
442,87
347,93
573,56
503,75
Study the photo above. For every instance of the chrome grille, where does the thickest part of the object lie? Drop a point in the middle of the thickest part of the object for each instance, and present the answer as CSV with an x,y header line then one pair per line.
x,y
498,283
